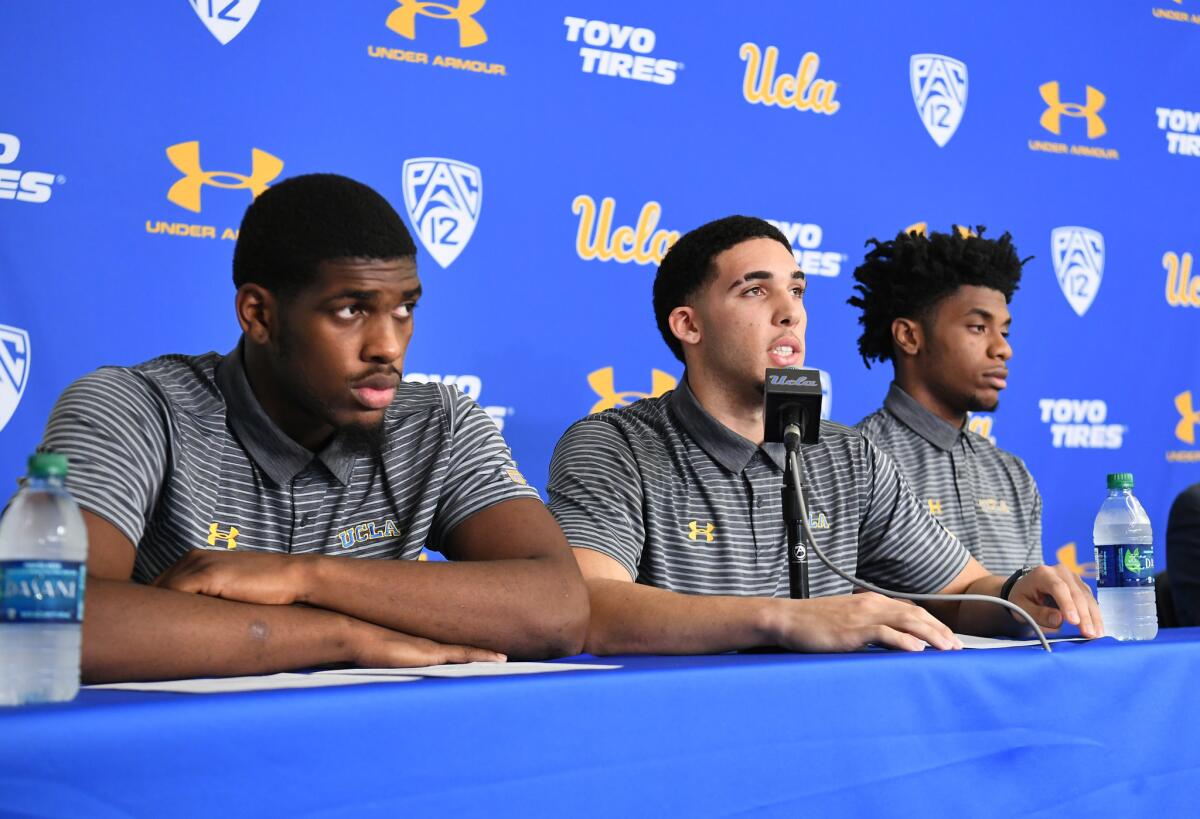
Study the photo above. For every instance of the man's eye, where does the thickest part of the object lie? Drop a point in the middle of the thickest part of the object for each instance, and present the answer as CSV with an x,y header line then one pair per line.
x,y
753,291
977,328
348,312
405,310
798,292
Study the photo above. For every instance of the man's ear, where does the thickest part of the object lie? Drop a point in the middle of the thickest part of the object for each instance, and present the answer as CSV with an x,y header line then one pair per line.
x,y
257,312
685,325
907,336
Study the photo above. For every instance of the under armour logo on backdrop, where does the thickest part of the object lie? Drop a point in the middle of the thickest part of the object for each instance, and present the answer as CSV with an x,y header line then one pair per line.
x,y
1051,118
403,20
185,156
601,382
1185,430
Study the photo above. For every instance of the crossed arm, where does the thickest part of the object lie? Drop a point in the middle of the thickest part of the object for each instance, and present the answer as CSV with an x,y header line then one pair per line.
x,y
513,590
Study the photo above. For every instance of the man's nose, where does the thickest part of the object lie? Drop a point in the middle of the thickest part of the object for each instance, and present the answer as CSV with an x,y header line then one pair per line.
x,y
385,340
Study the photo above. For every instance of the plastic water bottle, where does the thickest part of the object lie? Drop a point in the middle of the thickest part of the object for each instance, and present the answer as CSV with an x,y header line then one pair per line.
x,y
43,550
1125,563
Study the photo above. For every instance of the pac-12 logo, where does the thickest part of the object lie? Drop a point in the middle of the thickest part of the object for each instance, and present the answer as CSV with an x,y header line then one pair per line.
x,y
14,370
1078,255
443,198
939,90
224,19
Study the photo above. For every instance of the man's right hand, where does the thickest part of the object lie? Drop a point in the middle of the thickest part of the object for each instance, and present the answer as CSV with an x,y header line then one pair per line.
x,y
377,647
849,622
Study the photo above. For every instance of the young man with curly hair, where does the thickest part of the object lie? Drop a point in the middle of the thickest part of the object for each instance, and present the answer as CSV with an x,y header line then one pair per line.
x,y
936,306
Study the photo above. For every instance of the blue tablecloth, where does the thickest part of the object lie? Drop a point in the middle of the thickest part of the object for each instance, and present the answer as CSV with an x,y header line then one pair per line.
x,y
1095,729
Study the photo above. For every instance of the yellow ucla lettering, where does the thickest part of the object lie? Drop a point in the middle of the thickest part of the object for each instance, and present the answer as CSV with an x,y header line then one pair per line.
x,y
368,531
1182,289
802,90
596,239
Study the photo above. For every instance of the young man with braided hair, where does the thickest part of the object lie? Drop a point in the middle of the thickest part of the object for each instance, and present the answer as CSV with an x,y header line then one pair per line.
x,y
936,306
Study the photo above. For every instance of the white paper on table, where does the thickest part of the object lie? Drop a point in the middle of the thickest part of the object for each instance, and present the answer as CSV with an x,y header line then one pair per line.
x,y
473,669
971,641
265,682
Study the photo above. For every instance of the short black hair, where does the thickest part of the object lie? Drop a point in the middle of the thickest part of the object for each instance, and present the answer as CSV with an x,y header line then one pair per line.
x,y
688,265
908,276
294,226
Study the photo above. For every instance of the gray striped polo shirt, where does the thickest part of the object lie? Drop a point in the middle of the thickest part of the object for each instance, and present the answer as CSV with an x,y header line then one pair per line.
x,y
685,504
978,491
178,454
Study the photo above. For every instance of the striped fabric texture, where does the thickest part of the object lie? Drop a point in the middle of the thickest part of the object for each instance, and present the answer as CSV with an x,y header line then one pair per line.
x,y
981,493
155,449
685,504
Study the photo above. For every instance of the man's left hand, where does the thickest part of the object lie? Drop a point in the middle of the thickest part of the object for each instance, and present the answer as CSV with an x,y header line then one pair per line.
x,y
248,577
1072,600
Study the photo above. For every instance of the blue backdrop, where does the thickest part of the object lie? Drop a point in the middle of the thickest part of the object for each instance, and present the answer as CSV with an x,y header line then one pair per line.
x,y
547,153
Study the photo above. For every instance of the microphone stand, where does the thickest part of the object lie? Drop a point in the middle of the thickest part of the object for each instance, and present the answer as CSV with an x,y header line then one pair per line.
x,y
793,515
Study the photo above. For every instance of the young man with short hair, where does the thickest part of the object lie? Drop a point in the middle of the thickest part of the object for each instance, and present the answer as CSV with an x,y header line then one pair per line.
x,y
673,506
937,307
263,510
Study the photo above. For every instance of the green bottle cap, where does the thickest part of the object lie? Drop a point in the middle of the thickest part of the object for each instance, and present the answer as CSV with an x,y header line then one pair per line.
x,y
47,464
1120,480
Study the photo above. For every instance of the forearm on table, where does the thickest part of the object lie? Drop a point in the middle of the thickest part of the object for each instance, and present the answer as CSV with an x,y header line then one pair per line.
x,y
136,632
981,618
630,618
524,607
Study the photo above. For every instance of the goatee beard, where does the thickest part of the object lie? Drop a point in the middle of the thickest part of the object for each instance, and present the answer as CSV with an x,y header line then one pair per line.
x,y
363,440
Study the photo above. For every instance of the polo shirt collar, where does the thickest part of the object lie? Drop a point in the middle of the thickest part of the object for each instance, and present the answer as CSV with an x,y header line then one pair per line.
x,y
920,420
275,452
722,444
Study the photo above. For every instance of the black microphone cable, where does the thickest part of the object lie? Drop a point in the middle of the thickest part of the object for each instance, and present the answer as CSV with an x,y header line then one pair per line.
x,y
793,466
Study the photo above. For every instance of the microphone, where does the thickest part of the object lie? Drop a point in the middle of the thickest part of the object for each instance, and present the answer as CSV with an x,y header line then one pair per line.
x,y
792,414
792,406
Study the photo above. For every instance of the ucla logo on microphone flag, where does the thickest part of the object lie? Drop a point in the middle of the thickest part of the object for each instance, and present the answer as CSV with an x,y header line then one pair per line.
x,y
1078,255
443,198
939,90
224,19
14,370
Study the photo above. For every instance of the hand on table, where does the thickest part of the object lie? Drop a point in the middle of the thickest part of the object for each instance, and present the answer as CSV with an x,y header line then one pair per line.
x,y
1072,600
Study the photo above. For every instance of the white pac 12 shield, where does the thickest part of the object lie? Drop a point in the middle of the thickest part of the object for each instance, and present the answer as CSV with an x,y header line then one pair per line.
x,y
939,89
443,198
14,370
224,19
1078,255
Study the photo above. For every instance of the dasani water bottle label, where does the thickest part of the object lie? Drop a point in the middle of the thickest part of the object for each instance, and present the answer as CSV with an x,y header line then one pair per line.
x,y
1124,566
41,591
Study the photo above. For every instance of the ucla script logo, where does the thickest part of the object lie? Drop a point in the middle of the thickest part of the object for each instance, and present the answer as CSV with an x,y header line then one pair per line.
x,y
224,19
939,90
14,370
443,198
1078,255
